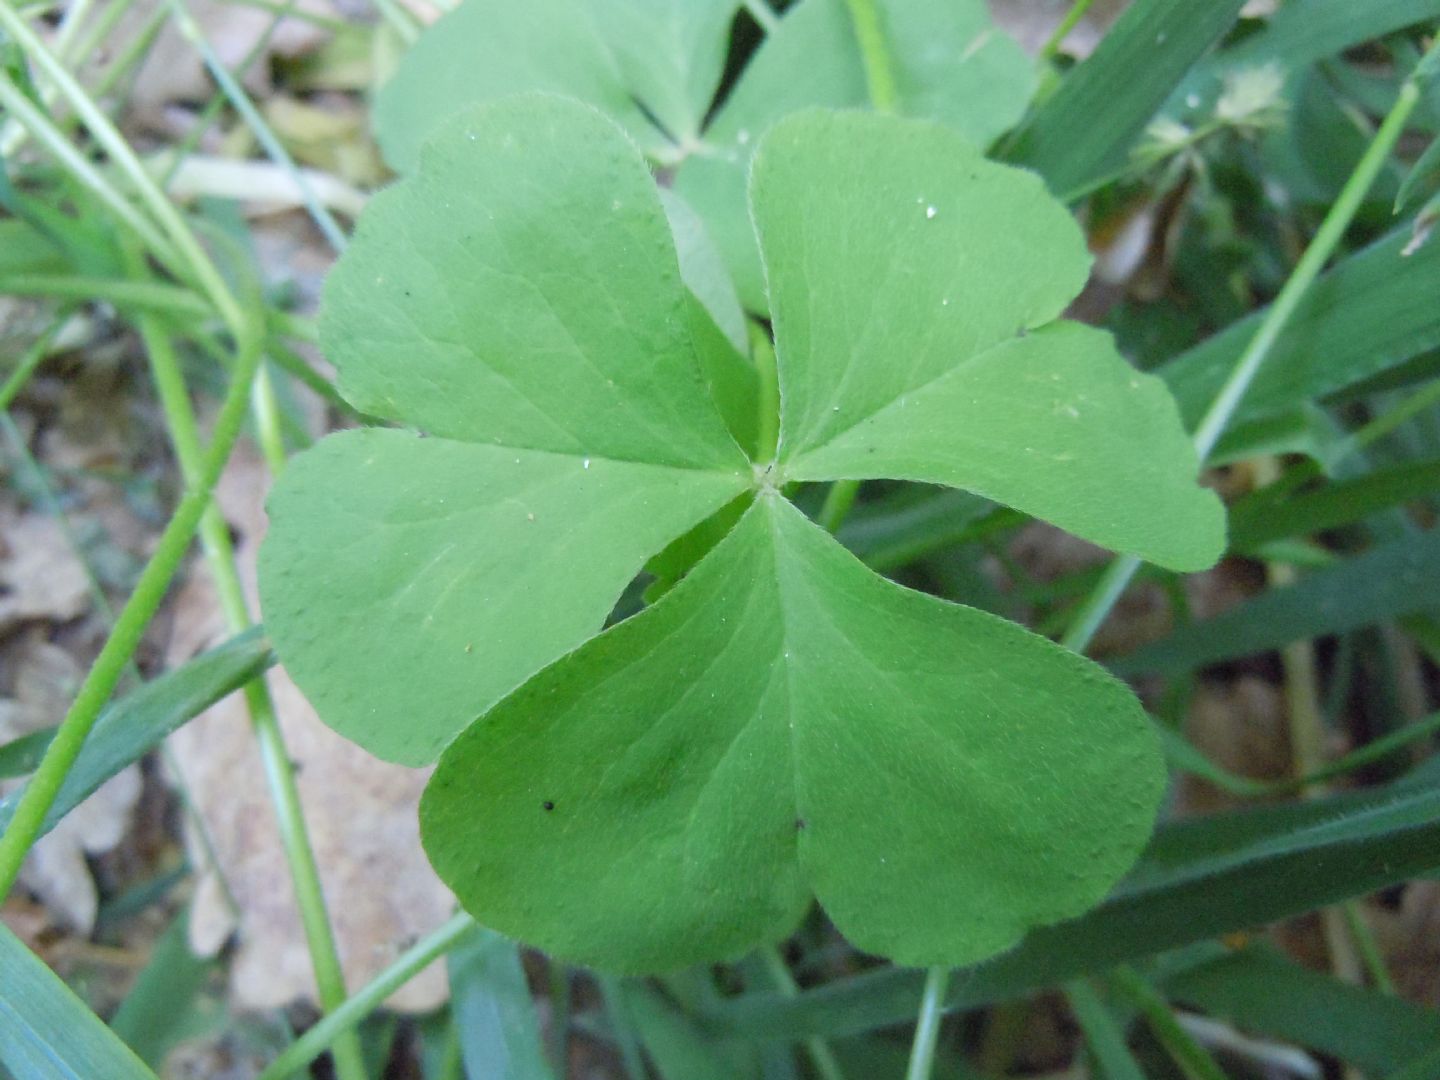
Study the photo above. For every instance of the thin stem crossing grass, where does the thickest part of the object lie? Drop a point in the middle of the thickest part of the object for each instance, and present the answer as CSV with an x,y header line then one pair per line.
x,y
324,220
1057,37
279,774
349,1015
14,99
821,1056
927,1024
1096,608
120,646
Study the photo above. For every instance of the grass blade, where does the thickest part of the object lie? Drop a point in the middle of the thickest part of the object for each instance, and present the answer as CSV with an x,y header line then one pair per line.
x,y
130,728
165,1006
1126,81
1398,578
46,1032
1369,313
1199,879
1273,996
493,1011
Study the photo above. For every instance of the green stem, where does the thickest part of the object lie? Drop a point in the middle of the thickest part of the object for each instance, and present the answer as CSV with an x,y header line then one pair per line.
x,y
324,220
186,146
120,646
1246,787
631,1055
821,1056
875,54
1194,1060
767,439
400,20
927,1024
32,358
348,1016
1369,949
279,772
1072,18
142,295
1222,409
838,501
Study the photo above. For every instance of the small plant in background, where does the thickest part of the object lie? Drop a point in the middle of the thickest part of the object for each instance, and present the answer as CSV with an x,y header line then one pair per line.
x,y
702,364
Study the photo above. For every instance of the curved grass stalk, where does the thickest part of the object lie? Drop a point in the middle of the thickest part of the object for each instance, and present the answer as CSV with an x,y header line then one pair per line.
x,y
365,1001
179,236
29,116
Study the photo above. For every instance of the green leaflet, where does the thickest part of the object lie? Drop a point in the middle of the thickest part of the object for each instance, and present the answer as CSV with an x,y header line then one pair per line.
x,y
950,65
547,314
1199,878
694,775
856,722
427,585
654,68
661,57
924,367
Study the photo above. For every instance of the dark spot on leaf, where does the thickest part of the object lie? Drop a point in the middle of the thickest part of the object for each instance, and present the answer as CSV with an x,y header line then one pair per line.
x,y
548,805
799,823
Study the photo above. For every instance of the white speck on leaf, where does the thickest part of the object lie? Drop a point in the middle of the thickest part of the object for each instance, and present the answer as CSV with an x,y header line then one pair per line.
x,y
930,213
585,464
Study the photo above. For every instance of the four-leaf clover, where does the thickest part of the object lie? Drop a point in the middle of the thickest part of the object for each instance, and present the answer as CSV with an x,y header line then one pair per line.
x,y
784,723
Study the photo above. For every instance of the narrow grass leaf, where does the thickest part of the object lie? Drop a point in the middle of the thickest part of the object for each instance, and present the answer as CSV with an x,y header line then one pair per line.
x,y
1104,1036
46,1032
1398,578
133,726
1267,994
1198,879
1125,80
680,1046
1258,519
494,1012
1371,312
166,1005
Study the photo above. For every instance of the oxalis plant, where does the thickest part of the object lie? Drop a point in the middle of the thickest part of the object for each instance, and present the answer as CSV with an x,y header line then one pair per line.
x,y
783,725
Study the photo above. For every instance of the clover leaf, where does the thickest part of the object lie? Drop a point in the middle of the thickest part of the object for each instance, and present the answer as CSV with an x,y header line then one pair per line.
x,y
654,68
783,723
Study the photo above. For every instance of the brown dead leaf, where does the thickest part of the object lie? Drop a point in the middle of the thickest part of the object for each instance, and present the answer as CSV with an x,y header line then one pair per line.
x,y
1240,725
44,681
1409,939
361,813
41,578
